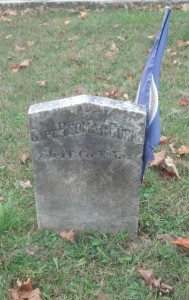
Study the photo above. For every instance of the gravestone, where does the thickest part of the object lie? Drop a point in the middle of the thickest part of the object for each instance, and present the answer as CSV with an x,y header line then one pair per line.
x,y
87,156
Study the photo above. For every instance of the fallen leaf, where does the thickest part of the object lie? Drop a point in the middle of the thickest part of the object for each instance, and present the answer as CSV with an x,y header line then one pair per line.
x,y
184,101
70,235
148,276
30,43
169,165
15,67
25,286
158,158
151,281
184,6
22,295
163,140
165,288
25,291
183,150
113,94
42,83
24,158
14,294
19,49
25,185
67,22
184,242
83,15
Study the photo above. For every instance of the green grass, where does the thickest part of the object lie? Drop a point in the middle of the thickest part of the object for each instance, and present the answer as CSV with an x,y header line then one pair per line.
x,y
98,261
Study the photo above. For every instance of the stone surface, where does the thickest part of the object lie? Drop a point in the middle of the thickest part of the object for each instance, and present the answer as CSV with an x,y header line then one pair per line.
x,y
87,163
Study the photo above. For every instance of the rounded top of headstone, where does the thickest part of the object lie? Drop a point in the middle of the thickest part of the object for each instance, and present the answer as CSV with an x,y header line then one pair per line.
x,y
82,99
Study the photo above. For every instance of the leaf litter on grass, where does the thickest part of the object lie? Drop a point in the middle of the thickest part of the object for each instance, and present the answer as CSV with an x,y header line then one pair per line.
x,y
24,291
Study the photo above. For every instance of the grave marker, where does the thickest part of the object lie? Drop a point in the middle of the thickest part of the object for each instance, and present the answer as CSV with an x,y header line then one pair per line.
x,y
87,155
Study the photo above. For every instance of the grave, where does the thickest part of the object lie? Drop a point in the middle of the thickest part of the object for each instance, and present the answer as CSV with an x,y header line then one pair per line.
x,y
87,156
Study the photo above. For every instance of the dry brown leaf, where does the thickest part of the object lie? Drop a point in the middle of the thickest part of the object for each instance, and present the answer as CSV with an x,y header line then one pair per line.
x,y
83,15
25,291
183,150
184,242
15,67
184,6
158,159
25,286
165,288
113,94
148,276
25,185
14,294
22,295
24,158
19,49
163,140
30,43
42,83
70,235
151,281
169,165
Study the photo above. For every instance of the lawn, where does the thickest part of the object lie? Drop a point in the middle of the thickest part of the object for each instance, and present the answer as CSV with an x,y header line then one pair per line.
x,y
96,53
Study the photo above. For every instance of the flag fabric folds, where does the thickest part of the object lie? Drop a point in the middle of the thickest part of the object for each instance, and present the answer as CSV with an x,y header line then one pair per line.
x,y
148,91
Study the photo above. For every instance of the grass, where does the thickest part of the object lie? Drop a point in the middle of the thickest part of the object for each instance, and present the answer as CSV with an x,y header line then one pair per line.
x,y
73,63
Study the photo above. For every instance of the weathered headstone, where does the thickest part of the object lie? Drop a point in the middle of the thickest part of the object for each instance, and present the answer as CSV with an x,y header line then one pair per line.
x,y
87,163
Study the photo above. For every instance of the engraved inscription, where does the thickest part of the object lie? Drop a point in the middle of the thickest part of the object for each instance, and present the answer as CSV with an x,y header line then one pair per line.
x,y
63,130
82,154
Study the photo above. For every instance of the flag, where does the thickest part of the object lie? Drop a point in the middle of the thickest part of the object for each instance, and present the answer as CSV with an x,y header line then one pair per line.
x,y
147,93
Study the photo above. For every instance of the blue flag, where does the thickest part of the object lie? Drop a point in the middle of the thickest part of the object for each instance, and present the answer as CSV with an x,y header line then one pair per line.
x,y
148,91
